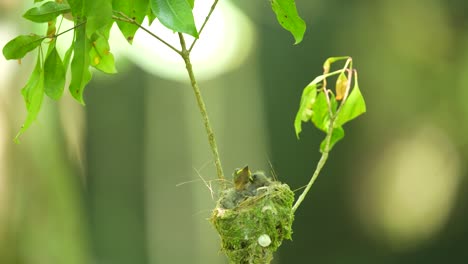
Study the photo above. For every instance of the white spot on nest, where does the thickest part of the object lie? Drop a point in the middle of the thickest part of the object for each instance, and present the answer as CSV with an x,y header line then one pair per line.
x,y
220,212
264,240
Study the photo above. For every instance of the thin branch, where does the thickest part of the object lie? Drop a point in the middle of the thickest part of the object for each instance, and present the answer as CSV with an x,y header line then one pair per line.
x,y
321,163
127,19
213,6
61,33
324,157
201,105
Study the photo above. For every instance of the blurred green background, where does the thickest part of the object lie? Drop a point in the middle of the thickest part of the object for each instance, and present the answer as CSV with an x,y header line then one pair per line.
x,y
118,181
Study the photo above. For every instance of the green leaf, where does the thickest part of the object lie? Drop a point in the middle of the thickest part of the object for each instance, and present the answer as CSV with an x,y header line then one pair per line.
x,y
77,8
18,47
135,9
150,14
191,3
100,55
99,15
67,57
337,135
176,15
46,12
33,93
289,19
54,74
80,65
305,108
353,107
320,116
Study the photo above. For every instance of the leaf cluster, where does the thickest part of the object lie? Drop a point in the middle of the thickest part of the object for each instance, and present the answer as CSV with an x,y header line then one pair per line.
x,y
329,110
90,47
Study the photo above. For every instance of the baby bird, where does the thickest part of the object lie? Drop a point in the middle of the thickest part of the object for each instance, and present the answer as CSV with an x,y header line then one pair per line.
x,y
258,179
241,178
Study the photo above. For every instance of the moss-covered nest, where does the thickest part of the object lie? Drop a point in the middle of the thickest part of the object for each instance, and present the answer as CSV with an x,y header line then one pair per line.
x,y
252,223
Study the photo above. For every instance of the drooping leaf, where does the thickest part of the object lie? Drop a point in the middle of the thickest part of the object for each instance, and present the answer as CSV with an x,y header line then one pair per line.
x,y
328,62
289,19
46,12
100,56
353,107
98,14
54,74
305,108
337,135
18,47
175,15
341,85
320,113
33,93
135,9
80,74
320,78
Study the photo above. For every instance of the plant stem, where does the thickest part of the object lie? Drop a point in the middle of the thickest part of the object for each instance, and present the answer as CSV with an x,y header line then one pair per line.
x,y
185,54
213,6
201,105
320,164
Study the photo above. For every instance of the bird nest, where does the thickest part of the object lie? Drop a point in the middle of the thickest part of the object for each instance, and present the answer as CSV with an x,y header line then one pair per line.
x,y
253,222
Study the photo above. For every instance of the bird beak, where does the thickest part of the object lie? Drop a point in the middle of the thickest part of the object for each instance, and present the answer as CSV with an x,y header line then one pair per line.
x,y
244,170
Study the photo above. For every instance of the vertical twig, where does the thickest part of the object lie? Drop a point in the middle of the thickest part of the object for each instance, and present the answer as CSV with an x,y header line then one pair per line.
x,y
201,105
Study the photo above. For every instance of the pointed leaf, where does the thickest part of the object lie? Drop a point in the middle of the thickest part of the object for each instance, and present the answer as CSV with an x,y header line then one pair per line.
x,y
47,12
54,74
33,93
305,108
18,47
337,135
353,107
289,19
100,56
150,15
80,65
176,15
135,9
